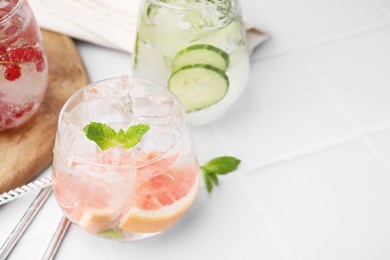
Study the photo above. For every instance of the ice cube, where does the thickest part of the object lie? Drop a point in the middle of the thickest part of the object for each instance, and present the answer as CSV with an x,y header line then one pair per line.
x,y
109,103
151,108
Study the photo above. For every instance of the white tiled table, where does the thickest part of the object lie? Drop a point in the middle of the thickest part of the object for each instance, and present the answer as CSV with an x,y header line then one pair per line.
x,y
313,132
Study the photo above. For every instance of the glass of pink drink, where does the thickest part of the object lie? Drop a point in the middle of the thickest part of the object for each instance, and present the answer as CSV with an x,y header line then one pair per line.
x,y
23,64
118,193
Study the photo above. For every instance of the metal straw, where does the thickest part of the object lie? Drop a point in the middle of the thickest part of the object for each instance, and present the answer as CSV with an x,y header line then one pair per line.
x,y
55,241
24,222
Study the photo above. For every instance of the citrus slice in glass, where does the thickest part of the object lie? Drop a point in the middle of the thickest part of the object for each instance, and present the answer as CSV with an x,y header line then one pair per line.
x,y
161,199
87,206
159,194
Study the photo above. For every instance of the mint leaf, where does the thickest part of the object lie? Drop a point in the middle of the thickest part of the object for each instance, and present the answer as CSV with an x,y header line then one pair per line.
x,y
207,182
134,134
222,165
103,135
213,178
106,137
121,136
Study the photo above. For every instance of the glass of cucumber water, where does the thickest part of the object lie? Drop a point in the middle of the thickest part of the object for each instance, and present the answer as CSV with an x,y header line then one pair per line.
x,y
197,49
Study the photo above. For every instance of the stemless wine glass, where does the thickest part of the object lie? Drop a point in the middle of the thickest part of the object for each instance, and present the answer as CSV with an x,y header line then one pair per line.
x,y
197,48
23,65
118,193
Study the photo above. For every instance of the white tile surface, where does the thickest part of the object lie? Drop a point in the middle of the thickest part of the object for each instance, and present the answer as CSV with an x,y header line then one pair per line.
x,y
215,214
259,16
32,249
49,217
382,141
283,111
312,131
208,146
357,70
332,205
222,226
306,21
79,245
384,4
11,213
207,143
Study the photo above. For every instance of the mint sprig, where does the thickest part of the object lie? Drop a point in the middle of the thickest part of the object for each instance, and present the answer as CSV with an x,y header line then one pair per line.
x,y
218,166
106,137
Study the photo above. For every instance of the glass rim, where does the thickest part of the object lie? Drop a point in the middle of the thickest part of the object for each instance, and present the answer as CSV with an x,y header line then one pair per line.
x,y
184,8
12,11
135,166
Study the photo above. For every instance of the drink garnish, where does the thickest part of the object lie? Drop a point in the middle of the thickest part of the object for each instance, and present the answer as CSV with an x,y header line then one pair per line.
x,y
106,137
111,233
205,82
11,57
201,54
218,166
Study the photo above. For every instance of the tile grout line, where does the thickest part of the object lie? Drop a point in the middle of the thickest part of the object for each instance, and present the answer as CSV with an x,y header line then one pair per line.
x,y
333,96
347,35
341,106
382,7
320,42
278,28
271,55
261,214
309,151
249,194
318,148
313,149
344,110
377,153
324,41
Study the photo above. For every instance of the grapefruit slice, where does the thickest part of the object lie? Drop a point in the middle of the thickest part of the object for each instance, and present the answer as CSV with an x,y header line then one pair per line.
x,y
98,220
85,202
161,200
160,193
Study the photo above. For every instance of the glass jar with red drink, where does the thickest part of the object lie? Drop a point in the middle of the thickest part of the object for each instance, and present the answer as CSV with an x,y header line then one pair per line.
x,y
23,64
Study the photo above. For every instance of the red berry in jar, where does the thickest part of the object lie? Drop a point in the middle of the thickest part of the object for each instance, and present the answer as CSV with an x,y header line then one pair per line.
x,y
23,64
12,72
29,53
40,65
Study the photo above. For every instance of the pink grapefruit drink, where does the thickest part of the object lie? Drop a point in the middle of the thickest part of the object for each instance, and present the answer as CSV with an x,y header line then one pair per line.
x,y
23,65
119,193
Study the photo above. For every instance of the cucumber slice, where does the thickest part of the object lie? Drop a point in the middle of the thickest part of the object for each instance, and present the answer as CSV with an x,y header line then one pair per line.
x,y
201,54
199,86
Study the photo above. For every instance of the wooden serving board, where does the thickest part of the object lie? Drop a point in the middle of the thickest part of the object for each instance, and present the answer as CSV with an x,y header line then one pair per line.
x,y
27,150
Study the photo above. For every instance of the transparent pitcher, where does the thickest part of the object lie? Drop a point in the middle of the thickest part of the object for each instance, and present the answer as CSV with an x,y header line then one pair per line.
x,y
197,49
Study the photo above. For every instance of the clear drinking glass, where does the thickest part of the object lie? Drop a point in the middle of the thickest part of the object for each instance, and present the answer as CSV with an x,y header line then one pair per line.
x,y
23,65
117,193
197,48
